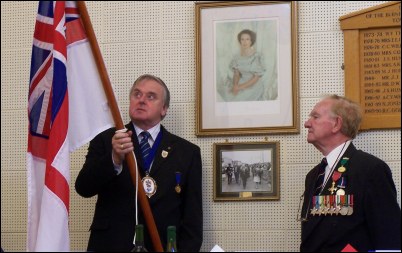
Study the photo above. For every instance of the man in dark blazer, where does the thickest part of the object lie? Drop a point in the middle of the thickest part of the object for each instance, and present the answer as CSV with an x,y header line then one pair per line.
x,y
174,173
357,205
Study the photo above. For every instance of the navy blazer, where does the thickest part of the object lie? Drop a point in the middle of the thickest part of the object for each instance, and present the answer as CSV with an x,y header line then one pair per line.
x,y
113,224
376,220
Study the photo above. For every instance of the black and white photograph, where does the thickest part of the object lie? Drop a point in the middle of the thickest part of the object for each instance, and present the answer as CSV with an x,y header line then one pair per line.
x,y
246,171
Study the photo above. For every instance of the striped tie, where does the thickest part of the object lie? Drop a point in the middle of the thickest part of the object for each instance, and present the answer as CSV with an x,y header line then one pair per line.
x,y
144,145
321,174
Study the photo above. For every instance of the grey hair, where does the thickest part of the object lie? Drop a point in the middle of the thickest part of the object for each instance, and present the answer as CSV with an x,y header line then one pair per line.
x,y
349,111
166,98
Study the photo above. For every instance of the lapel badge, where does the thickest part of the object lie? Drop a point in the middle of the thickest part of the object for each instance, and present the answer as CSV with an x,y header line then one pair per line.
x,y
164,153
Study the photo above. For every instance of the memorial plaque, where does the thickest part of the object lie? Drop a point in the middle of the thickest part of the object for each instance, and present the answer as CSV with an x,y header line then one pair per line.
x,y
373,63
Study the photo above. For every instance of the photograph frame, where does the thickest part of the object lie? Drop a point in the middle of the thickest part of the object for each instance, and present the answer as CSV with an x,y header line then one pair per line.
x,y
246,171
266,97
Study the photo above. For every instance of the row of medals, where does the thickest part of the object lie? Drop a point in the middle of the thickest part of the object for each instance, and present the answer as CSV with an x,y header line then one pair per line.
x,y
332,205
338,204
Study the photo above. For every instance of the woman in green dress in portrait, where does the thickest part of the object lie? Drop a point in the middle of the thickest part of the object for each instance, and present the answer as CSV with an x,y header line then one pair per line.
x,y
247,82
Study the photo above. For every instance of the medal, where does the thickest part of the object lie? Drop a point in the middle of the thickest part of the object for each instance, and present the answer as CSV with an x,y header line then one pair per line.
x,y
335,176
332,188
337,204
341,169
328,210
332,204
342,183
321,205
177,188
313,211
316,205
331,211
344,210
343,162
350,202
178,180
344,207
327,207
340,192
149,185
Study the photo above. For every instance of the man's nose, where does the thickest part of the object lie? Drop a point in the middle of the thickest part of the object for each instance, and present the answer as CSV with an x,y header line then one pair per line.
x,y
142,98
307,123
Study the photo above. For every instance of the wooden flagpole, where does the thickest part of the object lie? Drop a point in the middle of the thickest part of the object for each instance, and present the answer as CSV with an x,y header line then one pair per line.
x,y
150,222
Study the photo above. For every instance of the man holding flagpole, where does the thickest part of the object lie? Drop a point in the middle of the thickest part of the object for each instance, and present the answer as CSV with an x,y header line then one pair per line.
x,y
170,168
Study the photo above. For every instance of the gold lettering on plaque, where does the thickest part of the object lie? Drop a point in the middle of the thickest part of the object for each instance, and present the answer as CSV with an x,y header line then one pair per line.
x,y
380,70
373,63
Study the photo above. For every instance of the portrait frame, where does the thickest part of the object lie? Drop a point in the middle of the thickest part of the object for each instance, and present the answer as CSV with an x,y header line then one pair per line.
x,y
268,105
246,171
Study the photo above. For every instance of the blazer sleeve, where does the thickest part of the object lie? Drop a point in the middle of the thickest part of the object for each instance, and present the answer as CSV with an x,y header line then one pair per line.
x,y
98,168
382,209
191,230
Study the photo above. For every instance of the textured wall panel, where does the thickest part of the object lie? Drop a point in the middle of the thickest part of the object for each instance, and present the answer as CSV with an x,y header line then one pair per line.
x,y
178,24
320,61
15,68
13,202
14,132
132,21
19,15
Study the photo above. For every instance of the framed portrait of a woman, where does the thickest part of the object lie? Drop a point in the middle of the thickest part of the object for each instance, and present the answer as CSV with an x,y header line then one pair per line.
x,y
246,68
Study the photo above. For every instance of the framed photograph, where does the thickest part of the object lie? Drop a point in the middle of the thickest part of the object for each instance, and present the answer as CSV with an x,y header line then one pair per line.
x,y
246,171
246,68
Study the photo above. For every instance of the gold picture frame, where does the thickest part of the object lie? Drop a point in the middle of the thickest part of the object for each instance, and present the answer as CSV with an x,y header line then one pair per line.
x,y
246,88
246,171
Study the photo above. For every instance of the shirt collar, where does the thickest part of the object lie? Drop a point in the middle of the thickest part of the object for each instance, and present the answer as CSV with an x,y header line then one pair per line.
x,y
154,131
337,153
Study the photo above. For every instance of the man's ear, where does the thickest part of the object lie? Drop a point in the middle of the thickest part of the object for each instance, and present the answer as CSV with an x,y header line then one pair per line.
x,y
163,112
338,122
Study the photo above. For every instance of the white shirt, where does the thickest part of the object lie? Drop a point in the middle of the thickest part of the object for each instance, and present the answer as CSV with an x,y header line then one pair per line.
x,y
333,158
154,131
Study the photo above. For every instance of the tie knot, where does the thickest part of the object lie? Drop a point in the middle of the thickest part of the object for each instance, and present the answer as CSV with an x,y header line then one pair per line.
x,y
145,135
322,165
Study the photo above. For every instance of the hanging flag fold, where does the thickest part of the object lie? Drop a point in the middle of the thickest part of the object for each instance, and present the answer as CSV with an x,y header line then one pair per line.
x,y
67,107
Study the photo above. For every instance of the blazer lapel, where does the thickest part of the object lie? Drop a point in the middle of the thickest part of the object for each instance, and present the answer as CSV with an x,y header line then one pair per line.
x,y
163,152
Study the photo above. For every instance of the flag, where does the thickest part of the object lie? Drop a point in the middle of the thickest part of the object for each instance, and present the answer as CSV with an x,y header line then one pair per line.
x,y
67,107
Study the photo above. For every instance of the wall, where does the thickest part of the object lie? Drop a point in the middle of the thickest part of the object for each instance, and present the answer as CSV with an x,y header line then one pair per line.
x,y
159,38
